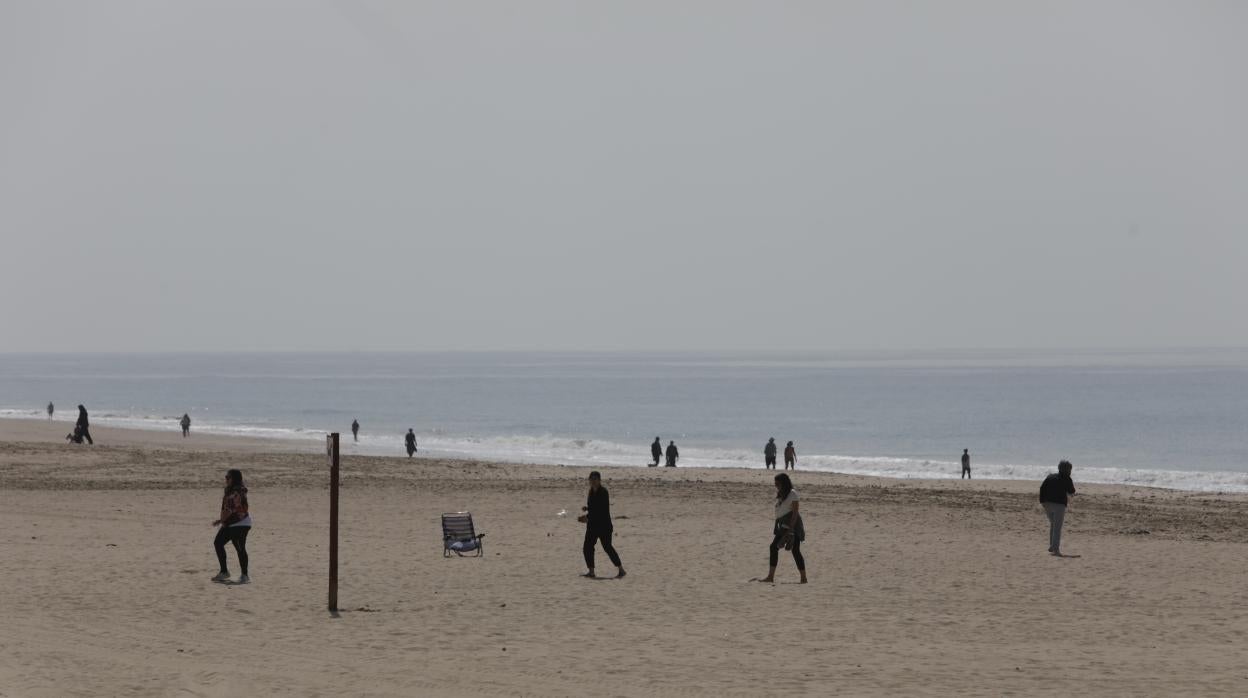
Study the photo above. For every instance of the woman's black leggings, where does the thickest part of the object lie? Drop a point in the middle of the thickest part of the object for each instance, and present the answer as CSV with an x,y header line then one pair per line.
x,y
236,535
797,551
591,537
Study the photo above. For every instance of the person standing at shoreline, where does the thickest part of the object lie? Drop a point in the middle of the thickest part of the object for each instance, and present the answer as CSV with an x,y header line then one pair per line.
x,y
788,531
235,523
1054,497
790,457
410,442
598,526
769,454
966,463
83,426
355,429
672,454
186,425
50,410
656,451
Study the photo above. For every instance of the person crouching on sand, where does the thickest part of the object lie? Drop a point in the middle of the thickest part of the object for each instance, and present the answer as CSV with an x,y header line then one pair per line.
x,y
1054,496
788,531
235,523
597,520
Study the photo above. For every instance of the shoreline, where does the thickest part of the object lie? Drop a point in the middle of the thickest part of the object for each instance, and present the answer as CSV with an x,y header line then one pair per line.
x,y
42,431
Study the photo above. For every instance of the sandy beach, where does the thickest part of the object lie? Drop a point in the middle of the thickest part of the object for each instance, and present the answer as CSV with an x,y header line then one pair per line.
x,y
917,587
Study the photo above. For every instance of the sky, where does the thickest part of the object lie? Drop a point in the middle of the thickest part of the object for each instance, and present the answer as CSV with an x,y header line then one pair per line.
x,y
626,176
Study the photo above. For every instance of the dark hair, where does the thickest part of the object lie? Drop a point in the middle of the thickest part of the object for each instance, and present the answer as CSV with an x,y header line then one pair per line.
x,y
234,478
595,475
1064,466
786,486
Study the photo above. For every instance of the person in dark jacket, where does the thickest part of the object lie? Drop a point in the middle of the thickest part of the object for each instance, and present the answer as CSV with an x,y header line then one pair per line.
x,y
1054,496
186,425
410,441
966,463
672,454
83,426
355,429
790,457
235,523
51,409
597,520
656,451
769,454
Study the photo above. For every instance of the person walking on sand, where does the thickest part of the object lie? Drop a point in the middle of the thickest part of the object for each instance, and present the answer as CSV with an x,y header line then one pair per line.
x,y
598,527
672,454
50,410
186,425
1054,496
83,425
788,531
235,524
355,429
656,451
966,463
410,440
790,457
769,454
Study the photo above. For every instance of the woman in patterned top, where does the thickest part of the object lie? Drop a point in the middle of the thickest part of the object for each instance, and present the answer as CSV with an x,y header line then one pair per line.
x,y
235,523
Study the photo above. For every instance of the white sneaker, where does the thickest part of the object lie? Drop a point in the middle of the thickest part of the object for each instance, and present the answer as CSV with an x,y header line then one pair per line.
x,y
221,577
243,579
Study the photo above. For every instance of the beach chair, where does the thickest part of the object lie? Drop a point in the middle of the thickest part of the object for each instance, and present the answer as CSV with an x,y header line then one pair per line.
x,y
459,536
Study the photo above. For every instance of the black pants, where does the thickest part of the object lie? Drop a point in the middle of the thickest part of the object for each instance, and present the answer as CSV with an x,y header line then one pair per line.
x,y
797,552
185,431
591,537
966,472
86,434
236,535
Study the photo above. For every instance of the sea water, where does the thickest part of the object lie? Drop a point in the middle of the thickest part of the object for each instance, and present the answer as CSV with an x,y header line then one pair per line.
x,y
1172,419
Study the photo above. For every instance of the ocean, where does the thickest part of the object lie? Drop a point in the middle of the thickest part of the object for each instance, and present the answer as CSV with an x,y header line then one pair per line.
x,y
1171,419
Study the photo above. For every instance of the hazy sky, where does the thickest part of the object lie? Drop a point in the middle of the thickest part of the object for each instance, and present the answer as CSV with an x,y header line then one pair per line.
x,y
629,175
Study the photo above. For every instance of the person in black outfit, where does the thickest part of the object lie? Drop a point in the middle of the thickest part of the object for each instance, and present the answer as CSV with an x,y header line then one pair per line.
x,y
355,429
83,427
672,454
966,463
597,520
1054,493
769,454
410,442
656,451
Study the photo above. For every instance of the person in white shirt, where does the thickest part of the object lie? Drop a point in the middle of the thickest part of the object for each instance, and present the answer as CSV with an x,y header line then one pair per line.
x,y
788,530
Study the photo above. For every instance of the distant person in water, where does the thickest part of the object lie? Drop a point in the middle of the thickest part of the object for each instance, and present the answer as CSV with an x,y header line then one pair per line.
x,y
787,531
598,527
966,463
50,410
83,426
672,454
355,429
235,523
656,451
769,454
1055,494
186,425
411,442
790,457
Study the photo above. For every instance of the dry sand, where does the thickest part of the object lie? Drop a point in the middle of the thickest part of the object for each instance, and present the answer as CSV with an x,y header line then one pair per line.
x,y
934,588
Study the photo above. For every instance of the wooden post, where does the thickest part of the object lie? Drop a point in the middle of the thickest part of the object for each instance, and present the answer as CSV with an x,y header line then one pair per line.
x,y
332,448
